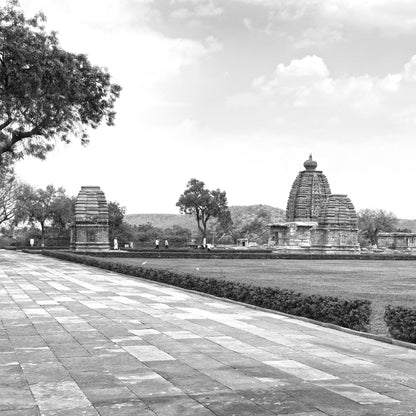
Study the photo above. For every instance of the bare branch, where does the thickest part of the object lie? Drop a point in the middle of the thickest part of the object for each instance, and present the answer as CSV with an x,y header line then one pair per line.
x,y
6,123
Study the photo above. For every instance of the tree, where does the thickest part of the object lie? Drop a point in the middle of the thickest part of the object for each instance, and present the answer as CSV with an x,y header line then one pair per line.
x,y
38,206
372,221
203,204
8,193
146,233
46,93
115,214
62,211
176,235
115,220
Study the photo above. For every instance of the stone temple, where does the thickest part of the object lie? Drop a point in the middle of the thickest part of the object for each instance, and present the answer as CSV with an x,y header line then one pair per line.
x,y
316,219
89,231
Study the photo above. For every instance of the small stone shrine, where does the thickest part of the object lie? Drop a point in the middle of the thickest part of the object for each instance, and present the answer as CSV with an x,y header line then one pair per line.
x,y
89,231
397,241
316,220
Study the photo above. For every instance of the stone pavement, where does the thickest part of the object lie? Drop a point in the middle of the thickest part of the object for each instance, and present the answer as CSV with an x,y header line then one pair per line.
x,y
79,341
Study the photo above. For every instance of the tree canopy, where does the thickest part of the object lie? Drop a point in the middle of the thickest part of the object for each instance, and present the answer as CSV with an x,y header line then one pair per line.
x,y
46,93
204,204
43,206
372,221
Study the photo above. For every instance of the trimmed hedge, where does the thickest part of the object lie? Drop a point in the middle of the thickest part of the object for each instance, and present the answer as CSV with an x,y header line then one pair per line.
x,y
401,323
353,314
241,254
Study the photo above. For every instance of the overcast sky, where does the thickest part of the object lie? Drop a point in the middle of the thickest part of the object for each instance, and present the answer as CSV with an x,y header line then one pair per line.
x,y
237,93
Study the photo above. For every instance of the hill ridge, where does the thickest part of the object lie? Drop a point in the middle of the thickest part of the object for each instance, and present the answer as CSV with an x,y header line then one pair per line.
x,y
239,213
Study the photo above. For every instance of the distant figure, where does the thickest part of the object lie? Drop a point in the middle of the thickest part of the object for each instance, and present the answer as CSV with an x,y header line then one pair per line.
x,y
166,244
32,242
115,244
157,244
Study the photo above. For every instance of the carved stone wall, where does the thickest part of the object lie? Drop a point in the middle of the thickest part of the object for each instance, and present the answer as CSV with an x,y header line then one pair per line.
x,y
292,235
316,219
397,241
337,229
309,190
89,231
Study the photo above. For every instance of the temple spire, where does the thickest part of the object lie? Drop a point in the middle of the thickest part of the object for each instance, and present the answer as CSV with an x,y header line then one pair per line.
x,y
310,164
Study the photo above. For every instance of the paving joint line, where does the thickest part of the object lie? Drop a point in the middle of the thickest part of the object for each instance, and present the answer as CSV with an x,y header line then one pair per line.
x,y
367,335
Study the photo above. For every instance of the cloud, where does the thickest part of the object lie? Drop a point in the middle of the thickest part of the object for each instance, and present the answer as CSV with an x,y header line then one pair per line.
x,y
121,37
309,23
303,95
308,82
196,9
295,82
399,13
99,14
318,36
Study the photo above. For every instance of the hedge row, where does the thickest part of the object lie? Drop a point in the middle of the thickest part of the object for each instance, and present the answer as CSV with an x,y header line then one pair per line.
x,y
401,323
353,314
243,254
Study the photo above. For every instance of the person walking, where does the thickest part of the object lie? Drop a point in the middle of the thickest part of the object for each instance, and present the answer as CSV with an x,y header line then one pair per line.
x,y
166,244
157,244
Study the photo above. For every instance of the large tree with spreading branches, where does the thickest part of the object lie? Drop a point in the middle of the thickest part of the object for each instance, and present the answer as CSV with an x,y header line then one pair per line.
x,y
43,207
46,93
204,204
373,221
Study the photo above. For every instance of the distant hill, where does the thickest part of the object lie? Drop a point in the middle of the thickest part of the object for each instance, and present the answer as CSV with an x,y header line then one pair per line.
x,y
247,213
410,224
240,214
162,220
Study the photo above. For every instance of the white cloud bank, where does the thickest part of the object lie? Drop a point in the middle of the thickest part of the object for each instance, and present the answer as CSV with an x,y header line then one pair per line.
x,y
397,16
304,91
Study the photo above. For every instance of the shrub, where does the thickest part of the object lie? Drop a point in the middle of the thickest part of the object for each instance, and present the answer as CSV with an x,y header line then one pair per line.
x,y
353,314
401,323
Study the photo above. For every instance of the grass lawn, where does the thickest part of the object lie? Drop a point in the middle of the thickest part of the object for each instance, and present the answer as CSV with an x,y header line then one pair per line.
x,y
382,282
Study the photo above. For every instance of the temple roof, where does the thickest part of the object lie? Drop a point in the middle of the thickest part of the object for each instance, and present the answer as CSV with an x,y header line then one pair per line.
x,y
338,212
309,191
91,206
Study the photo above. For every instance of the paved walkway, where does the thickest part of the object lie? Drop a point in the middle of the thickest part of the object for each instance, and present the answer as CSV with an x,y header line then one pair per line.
x,y
79,341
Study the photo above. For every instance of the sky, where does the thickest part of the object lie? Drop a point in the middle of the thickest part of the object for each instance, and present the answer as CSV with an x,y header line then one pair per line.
x,y
238,93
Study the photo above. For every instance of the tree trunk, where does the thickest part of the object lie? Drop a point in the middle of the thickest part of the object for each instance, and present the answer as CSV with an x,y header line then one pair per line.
x,y
204,234
42,239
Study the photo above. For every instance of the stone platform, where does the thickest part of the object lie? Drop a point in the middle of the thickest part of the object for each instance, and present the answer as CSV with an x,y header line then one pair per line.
x,y
79,341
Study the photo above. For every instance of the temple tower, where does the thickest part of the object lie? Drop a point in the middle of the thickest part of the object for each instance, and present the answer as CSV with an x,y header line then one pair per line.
x,y
316,220
337,229
309,190
89,231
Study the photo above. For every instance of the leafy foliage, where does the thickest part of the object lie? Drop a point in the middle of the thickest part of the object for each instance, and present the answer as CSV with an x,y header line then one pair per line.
x,y
43,206
354,314
8,193
46,93
115,219
204,204
145,235
371,221
401,323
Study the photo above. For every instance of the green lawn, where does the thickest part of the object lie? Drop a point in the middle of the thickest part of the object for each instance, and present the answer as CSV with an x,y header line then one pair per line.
x,y
382,282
